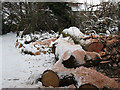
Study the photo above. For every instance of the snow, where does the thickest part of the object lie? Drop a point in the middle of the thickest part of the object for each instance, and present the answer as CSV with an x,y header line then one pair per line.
x,y
17,68
0,62
74,31
65,44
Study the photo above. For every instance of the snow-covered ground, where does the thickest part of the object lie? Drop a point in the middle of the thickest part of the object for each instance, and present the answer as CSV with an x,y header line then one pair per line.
x,y
17,68
0,62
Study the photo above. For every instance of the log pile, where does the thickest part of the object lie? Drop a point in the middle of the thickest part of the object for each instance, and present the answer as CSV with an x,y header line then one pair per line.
x,y
73,68
70,70
79,77
107,46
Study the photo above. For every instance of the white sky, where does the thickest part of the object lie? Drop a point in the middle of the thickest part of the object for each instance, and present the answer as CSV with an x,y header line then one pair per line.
x,y
94,1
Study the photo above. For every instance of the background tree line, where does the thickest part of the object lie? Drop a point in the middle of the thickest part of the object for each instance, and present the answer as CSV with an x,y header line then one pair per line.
x,y
35,16
46,16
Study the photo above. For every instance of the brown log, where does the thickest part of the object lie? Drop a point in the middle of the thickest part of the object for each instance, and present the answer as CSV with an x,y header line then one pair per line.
x,y
50,78
88,86
87,75
80,58
95,47
95,78
55,79
45,42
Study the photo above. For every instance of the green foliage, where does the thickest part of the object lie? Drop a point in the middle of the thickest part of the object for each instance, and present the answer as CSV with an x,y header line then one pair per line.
x,y
85,47
64,34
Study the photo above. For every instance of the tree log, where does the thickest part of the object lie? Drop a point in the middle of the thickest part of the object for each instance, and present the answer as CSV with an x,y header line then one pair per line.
x,y
88,86
95,47
55,79
79,58
86,75
45,42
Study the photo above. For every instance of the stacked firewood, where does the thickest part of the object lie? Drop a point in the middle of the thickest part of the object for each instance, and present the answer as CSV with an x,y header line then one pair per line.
x,y
72,70
107,46
82,77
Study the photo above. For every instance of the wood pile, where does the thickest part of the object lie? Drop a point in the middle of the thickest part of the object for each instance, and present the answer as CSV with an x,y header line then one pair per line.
x,y
107,46
73,68
70,70
78,77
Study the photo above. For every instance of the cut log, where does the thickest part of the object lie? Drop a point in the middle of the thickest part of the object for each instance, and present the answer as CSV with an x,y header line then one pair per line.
x,y
95,47
70,63
94,57
86,75
88,86
51,78
45,42
64,44
79,58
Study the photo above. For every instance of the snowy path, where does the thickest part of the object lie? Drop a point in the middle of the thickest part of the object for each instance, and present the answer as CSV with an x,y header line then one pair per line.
x,y
0,62
16,68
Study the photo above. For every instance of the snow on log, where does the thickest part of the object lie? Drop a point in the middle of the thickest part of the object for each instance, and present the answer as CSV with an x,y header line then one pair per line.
x,y
73,59
64,44
79,58
86,75
73,55
74,31
78,77
95,78
92,45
